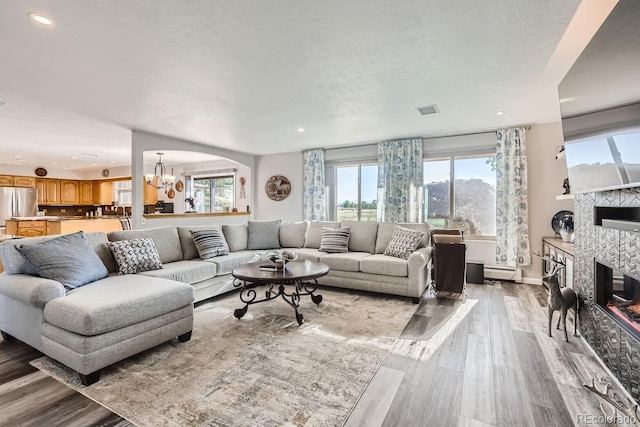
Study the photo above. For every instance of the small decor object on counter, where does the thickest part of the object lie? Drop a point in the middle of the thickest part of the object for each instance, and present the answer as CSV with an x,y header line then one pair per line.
x,y
566,228
277,188
555,221
192,204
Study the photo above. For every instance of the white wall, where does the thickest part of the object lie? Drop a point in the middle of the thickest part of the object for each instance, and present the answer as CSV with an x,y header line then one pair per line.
x,y
30,171
545,178
290,166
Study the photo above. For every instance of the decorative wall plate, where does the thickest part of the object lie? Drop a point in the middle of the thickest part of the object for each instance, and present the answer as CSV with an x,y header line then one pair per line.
x,y
41,172
277,187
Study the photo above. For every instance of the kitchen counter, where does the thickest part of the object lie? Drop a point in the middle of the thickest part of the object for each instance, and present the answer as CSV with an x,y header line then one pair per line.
x,y
48,225
190,215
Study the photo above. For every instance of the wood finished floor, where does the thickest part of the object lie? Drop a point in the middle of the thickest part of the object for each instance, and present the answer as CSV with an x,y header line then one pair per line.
x,y
483,362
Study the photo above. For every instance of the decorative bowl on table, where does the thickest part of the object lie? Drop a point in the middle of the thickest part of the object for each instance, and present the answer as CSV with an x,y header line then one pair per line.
x,y
281,256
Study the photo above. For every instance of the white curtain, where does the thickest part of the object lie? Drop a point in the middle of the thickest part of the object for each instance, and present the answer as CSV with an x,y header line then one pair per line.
x,y
400,181
314,201
512,211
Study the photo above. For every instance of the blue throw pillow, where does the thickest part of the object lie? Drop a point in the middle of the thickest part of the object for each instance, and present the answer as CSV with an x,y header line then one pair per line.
x,y
68,259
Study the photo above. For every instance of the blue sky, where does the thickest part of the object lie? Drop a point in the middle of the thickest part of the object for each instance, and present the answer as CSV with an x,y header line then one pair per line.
x,y
434,171
596,150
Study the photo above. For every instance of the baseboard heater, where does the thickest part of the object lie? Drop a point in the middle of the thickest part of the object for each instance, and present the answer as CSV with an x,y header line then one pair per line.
x,y
499,272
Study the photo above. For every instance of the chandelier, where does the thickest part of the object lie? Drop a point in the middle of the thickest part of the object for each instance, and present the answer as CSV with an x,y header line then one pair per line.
x,y
159,178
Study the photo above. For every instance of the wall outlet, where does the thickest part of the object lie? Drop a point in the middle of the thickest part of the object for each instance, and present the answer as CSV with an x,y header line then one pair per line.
x,y
63,210
79,209
143,221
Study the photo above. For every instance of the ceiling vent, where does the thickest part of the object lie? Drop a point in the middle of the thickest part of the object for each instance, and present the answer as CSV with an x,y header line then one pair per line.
x,y
2,103
428,109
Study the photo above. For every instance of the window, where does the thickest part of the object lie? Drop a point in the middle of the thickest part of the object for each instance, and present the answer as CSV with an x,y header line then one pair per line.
x,y
122,192
213,194
356,192
471,198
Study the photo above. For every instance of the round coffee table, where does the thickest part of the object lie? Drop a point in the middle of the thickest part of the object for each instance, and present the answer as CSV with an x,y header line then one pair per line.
x,y
300,276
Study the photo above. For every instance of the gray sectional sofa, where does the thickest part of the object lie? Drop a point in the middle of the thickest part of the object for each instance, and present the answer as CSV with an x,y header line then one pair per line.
x,y
98,324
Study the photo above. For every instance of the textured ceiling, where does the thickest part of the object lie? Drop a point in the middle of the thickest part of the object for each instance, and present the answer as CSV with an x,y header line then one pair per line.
x,y
244,75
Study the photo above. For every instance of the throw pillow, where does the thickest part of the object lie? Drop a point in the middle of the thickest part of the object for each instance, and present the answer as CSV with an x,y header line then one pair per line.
x,y
136,255
209,243
263,235
335,240
403,242
68,259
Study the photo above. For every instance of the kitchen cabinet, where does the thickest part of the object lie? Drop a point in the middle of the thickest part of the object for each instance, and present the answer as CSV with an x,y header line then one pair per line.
x,y
150,192
26,228
558,251
102,192
48,191
24,181
69,192
6,181
86,192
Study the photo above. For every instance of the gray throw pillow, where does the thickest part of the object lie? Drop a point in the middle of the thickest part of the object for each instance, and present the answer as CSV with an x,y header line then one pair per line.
x,y
263,235
68,259
209,243
403,242
335,240
136,255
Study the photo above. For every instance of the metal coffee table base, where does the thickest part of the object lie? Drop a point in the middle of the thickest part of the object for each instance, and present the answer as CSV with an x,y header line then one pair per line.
x,y
249,295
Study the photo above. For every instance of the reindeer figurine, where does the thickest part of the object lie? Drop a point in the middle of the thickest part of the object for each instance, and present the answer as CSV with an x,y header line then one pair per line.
x,y
561,300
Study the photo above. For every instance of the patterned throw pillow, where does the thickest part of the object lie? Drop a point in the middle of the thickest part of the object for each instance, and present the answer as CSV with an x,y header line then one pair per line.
x,y
136,255
209,243
403,242
335,240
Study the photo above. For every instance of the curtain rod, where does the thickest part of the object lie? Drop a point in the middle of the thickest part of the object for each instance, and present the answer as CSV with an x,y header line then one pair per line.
x,y
526,127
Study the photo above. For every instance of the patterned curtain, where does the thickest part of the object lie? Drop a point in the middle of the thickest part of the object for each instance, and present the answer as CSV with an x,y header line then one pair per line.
x,y
315,205
400,181
512,211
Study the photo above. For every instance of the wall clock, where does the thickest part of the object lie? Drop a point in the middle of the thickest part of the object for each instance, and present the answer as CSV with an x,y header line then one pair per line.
x,y
41,172
277,187
105,172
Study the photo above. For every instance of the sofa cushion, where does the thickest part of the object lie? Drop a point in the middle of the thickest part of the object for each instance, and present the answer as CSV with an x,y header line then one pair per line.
x,y
115,302
189,250
363,235
292,235
68,259
314,233
386,229
335,240
349,261
403,242
263,235
136,255
166,240
226,263
236,236
187,271
15,263
309,254
209,243
384,265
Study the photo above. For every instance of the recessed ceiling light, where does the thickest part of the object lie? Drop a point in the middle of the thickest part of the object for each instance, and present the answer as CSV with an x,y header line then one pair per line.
x,y
18,156
112,161
22,160
52,163
499,113
41,19
301,130
73,157
93,164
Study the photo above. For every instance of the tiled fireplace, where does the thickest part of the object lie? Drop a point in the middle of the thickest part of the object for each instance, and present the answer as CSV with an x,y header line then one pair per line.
x,y
610,257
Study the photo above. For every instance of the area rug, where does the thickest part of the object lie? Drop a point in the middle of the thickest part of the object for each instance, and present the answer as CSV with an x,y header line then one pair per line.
x,y
261,370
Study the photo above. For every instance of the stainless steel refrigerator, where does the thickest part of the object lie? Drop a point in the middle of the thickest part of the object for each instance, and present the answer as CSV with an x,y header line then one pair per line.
x,y
17,201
